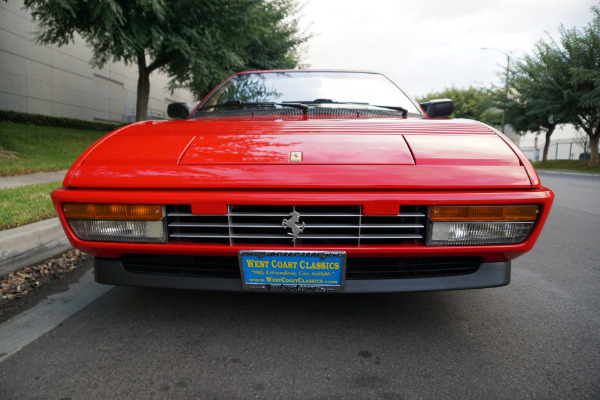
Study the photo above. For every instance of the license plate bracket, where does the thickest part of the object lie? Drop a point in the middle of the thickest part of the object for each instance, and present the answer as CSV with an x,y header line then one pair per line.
x,y
293,271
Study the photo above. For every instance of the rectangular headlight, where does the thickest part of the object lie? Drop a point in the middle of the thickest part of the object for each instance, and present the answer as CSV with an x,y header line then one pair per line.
x,y
130,223
480,225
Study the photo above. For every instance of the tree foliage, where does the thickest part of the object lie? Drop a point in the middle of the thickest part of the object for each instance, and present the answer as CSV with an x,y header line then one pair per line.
x,y
581,49
532,103
197,43
471,103
560,83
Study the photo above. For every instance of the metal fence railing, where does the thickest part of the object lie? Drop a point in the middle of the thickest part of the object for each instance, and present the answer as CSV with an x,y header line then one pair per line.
x,y
561,149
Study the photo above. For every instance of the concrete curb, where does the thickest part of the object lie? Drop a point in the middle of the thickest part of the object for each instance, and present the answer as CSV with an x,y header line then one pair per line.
x,y
567,173
30,244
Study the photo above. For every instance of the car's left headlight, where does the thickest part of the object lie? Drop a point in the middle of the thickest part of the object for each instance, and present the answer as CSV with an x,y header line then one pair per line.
x,y
131,223
480,225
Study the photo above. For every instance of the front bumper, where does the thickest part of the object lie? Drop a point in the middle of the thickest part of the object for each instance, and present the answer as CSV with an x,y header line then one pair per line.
x,y
376,203
489,274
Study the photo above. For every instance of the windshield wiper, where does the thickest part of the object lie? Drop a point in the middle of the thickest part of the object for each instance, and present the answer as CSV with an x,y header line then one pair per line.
x,y
404,111
237,103
301,105
327,101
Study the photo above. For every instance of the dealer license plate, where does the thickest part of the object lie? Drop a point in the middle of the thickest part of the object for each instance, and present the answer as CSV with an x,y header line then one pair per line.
x,y
294,271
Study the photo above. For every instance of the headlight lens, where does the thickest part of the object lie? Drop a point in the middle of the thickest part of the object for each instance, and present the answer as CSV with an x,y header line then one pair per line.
x,y
130,223
480,225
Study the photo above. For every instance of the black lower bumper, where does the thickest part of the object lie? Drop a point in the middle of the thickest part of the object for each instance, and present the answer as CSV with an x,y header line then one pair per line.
x,y
116,272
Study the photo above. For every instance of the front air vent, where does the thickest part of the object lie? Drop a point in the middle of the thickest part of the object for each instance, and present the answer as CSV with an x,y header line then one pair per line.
x,y
357,268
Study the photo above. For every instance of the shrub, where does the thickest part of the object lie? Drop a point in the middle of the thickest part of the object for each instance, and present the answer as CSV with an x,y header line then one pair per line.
x,y
59,122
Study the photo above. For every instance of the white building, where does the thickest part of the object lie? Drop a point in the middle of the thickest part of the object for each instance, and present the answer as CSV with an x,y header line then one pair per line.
x,y
60,81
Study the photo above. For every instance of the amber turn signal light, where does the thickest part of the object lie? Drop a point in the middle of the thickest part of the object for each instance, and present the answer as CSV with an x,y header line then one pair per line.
x,y
133,212
485,213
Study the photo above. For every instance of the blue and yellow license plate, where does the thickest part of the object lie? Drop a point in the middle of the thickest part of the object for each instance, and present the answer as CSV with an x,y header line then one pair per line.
x,y
301,271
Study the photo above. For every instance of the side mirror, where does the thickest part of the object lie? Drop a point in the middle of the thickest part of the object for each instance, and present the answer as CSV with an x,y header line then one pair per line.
x,y
178,110
438,108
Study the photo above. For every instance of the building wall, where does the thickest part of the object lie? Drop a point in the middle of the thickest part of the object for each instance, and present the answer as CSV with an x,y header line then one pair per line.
x,y
60,80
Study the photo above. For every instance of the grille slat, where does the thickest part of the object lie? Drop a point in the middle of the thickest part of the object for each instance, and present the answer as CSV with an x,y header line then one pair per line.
x,y
363,236
320,225
252,236
193,225
274,226
198,235
403,226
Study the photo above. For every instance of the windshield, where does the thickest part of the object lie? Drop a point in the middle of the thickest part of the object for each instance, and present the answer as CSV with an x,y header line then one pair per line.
x,y
314,88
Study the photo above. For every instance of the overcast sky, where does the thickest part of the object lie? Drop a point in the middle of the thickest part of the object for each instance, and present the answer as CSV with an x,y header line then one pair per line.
x,y
430,45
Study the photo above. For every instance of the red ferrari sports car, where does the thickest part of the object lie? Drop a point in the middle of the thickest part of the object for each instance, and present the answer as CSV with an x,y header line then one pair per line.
x,y
305,181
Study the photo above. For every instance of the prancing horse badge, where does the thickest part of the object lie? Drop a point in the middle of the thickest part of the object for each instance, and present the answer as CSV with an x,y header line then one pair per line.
x,y
294,224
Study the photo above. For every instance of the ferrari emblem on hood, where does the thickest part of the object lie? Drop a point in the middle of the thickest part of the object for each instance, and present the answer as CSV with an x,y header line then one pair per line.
x,y
296,156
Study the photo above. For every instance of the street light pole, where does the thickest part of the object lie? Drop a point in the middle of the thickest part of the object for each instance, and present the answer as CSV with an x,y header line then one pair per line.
x,y
505,81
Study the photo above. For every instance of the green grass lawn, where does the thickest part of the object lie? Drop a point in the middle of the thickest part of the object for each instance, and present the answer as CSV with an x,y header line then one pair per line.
x,y
568,165
30,148
26,204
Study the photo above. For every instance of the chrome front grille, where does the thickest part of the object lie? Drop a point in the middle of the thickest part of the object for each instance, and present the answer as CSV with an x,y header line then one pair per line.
x,y
320,225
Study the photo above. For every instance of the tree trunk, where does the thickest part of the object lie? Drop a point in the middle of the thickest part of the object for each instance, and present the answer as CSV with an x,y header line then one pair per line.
x,y
547,144
593,149
143,89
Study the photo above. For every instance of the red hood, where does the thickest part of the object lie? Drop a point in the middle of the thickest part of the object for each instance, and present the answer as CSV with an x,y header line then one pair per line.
x,y
310,149
253,153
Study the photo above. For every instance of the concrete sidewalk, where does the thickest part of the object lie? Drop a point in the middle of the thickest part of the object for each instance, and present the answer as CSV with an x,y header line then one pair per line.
x,y
29,244
8,182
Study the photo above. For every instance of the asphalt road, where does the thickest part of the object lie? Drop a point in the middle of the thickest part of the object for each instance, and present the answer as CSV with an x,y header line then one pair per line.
x,y
537,338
